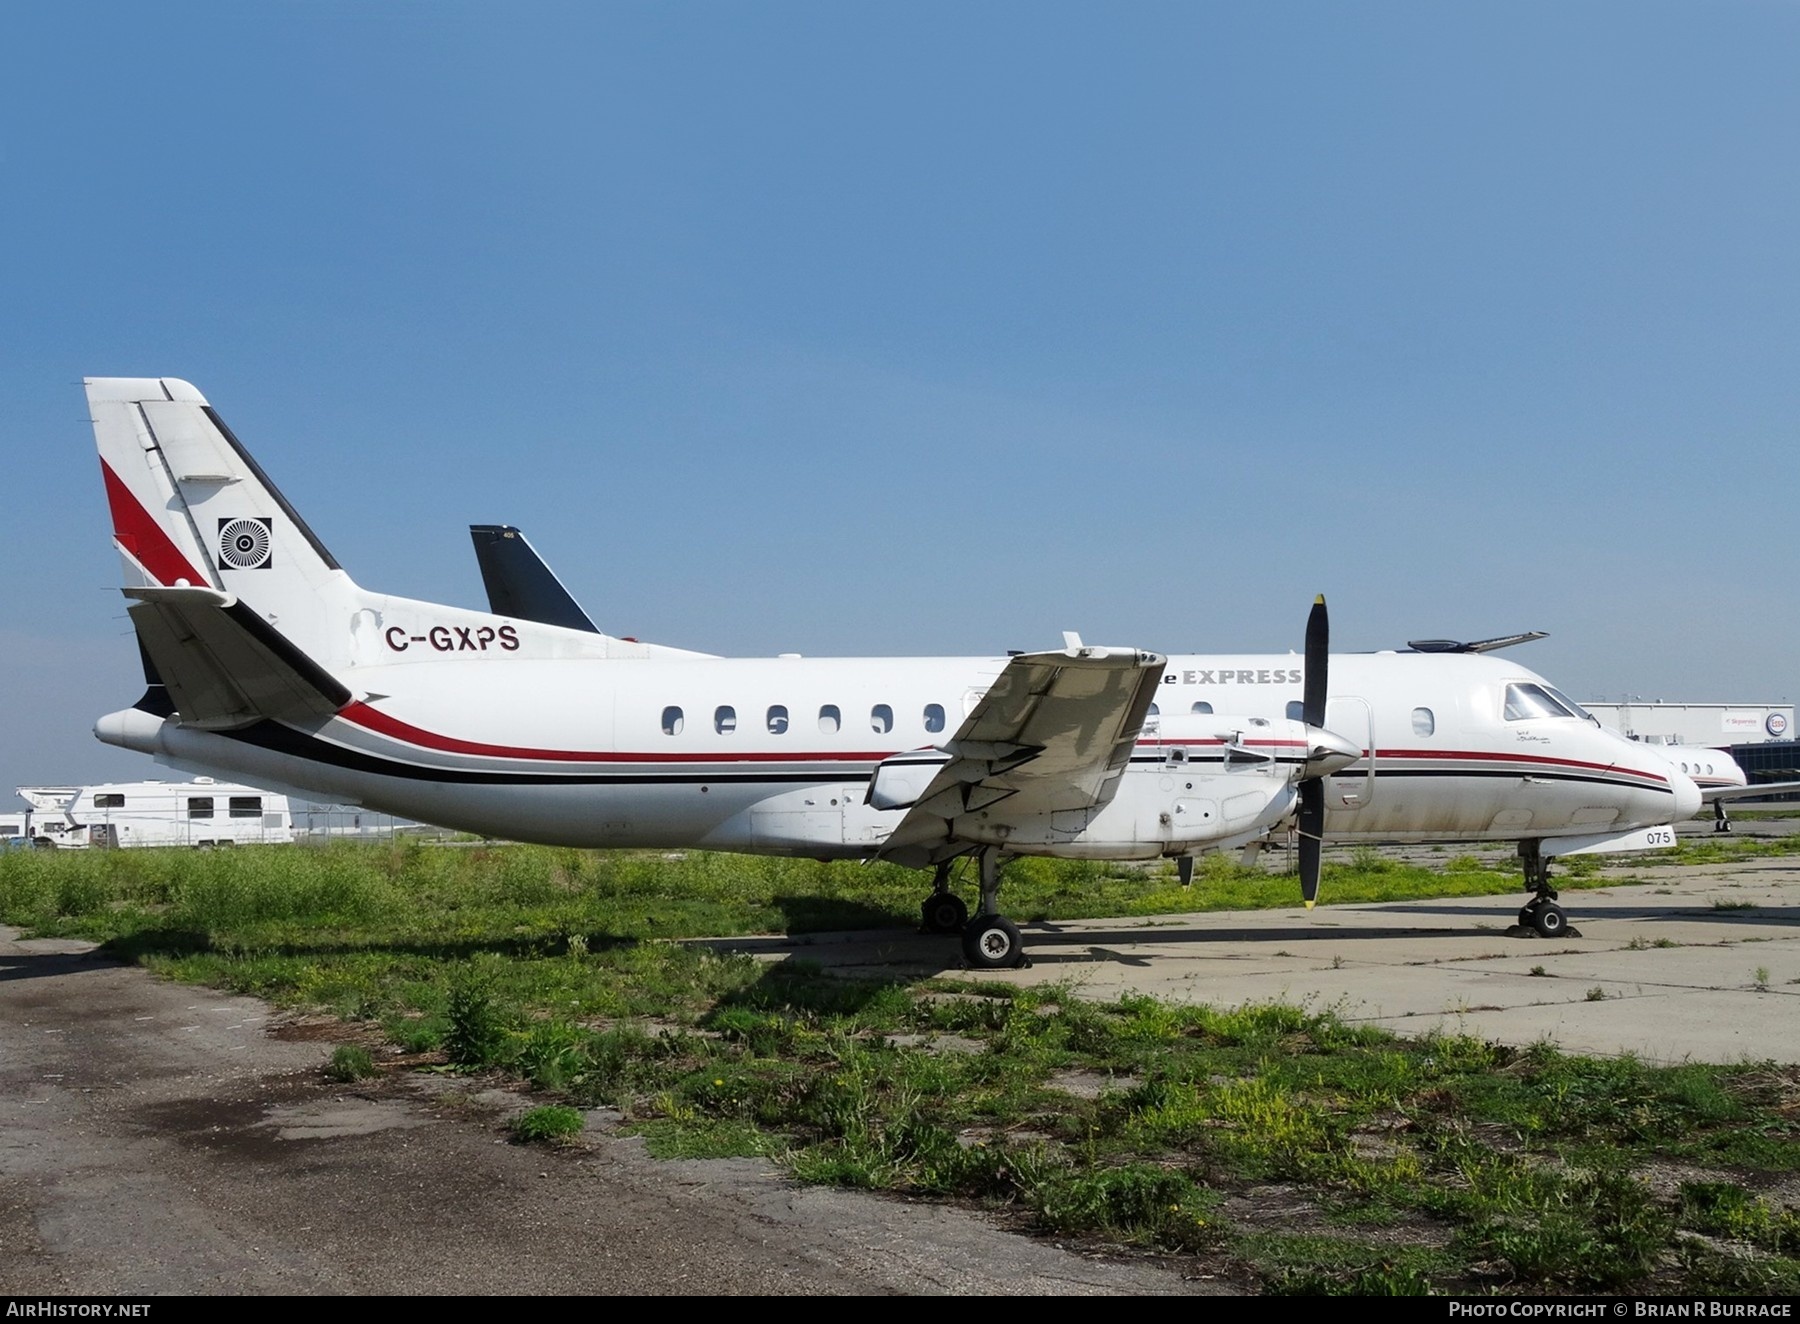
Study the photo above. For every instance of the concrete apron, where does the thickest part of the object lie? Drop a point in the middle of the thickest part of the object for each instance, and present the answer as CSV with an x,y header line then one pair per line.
x,y
1699,963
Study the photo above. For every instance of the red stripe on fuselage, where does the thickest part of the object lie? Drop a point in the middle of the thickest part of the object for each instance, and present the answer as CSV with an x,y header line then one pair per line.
x,y
1498,757
143,537
360,714
371,719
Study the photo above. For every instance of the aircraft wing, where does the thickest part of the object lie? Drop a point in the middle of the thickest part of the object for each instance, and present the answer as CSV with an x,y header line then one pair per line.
x,y
1708,794
1054,732
224,665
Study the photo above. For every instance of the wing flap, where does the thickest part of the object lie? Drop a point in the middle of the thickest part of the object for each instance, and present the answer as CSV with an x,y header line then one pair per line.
x,y
1053,733
224,666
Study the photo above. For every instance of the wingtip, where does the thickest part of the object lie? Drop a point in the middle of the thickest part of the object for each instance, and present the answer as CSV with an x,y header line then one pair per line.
x,y
1311,904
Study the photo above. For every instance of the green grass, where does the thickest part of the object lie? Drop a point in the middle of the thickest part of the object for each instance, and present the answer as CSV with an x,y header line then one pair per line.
x,y
444,901
550,1124
1279,1147
350,1062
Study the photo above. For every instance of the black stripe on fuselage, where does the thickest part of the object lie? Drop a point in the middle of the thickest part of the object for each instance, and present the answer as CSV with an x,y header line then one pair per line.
x,y
1384,774
297,744
281,739
1595,779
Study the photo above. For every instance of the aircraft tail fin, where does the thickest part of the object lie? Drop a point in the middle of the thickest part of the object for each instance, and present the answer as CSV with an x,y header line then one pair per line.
x,y
520,584
192,509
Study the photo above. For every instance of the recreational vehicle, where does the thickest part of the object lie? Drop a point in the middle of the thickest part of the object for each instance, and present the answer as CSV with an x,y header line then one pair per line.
x,y
203,812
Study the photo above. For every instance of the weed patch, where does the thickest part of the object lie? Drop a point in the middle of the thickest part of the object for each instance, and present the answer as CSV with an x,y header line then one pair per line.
x,y
350,1062
548,1125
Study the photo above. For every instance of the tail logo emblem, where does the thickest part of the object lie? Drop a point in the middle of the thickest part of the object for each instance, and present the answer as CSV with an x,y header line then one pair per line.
x,y
244,544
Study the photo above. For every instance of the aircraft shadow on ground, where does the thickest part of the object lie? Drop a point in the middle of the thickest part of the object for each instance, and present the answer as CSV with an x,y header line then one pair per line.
x,y
174,943
823,914
1675,909
784,989
52,965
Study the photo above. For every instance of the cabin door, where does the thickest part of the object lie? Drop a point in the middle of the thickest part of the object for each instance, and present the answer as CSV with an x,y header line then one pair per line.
x,y
1353,787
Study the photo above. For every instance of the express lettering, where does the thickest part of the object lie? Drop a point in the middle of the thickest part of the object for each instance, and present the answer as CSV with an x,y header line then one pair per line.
x,y
455,639
1261,676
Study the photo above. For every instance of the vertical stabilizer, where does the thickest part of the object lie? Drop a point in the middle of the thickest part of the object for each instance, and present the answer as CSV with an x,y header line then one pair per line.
x,y
190,507
520,584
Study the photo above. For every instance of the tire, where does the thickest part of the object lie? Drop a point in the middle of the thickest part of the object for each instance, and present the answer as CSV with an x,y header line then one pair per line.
x,y
992,942
943,912
1528,917
1550,921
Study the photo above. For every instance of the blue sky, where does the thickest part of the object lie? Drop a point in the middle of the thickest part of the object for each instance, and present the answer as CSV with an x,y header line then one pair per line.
x,y
928,328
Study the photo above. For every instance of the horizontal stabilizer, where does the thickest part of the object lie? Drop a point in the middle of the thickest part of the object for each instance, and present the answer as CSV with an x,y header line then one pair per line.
x,y
225,666
519,583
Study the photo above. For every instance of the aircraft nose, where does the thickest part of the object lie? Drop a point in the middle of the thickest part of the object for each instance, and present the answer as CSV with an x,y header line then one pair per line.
x,y
1327,751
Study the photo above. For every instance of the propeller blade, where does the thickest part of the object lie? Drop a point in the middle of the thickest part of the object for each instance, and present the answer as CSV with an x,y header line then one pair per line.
x,y
1312,790
1312,829
1318,652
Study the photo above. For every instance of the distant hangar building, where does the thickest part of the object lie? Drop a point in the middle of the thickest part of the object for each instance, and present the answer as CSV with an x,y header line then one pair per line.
x,y
1713,724
1760,736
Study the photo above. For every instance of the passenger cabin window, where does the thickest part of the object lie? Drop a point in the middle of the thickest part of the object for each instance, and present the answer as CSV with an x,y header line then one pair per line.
x,y
934,716
778,719
671,721
724,719
246,806
1154,711
1296,711
110,800
830,719
1423,722
200,806
1525,702
1201,709
881,719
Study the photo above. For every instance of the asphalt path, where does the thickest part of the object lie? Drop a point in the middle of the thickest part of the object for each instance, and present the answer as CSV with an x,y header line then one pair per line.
x,y
158,1138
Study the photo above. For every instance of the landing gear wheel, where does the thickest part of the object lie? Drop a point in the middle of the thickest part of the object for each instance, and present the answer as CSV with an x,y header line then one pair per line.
x,y
1528,916
1550,920
943,912
992,942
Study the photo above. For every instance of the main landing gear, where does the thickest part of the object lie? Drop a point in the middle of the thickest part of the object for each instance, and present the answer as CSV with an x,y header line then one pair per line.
x,y
1721,820
990,941
943,911
1541,912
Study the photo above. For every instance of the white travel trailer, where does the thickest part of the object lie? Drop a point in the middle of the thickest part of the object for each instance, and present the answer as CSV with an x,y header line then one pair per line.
x,y
202,812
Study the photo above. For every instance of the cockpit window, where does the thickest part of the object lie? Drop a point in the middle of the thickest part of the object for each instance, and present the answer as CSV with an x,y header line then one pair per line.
x,y
1525,702
1571,705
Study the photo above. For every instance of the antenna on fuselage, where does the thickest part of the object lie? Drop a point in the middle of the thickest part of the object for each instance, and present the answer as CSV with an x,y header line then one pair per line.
x,y
1474,646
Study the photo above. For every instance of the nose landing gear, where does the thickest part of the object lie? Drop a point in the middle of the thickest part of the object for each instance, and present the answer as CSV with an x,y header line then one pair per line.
x,y
1541,912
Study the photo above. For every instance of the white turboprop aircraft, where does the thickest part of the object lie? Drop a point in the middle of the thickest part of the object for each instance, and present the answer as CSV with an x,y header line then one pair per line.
x,y
268,663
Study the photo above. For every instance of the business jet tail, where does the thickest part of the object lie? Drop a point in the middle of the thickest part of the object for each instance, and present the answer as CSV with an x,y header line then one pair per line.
x,y
519,582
